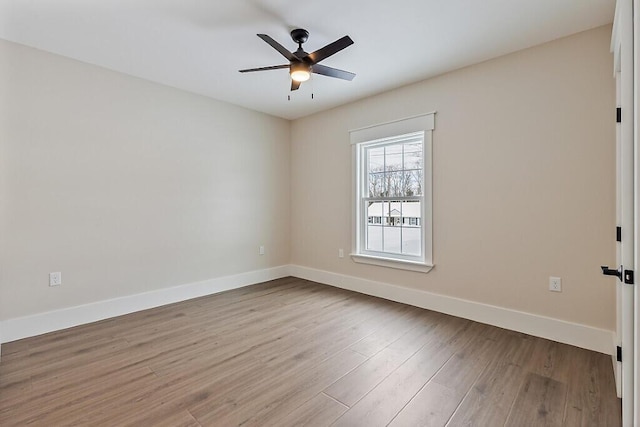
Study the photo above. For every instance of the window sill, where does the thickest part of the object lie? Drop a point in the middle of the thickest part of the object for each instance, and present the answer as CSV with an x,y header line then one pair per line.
x,y
392,263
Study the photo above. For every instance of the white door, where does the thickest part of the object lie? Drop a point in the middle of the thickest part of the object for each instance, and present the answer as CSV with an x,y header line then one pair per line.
x,y
634,69
622,47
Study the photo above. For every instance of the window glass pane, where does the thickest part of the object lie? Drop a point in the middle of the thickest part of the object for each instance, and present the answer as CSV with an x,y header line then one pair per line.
x,y
390,210
411,230
395,212
412,183
374,238
394,183
413,169
393,169
391,235
376,184
413,156
393,157
374,226
375,171
374,210
411,240
410,210
375,159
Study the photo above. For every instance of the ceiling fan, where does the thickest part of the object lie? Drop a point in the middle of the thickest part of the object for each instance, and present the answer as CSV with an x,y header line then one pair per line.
x,y
302,64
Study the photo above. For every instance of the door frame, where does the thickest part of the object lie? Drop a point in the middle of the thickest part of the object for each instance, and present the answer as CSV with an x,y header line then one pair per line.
x,y
622,46
635,118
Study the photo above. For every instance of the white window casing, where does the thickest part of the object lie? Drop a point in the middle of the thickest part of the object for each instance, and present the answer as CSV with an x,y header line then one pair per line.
x,y
385,136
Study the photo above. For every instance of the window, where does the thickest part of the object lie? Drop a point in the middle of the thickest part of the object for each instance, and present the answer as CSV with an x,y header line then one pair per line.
x,y
392,206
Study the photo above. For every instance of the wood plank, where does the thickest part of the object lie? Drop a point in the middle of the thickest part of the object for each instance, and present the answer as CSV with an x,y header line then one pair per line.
x,y
433,406
540,402
551,359
437,401
353,386
586,387
391,332
319,411
266,395
489,400
165,417
60,408
383,403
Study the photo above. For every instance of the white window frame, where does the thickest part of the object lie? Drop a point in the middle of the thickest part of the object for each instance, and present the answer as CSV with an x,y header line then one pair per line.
x,y
379,134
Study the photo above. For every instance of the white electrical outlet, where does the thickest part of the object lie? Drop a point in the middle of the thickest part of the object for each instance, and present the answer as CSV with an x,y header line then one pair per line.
x,y
55,279
555,284
340,253
261,250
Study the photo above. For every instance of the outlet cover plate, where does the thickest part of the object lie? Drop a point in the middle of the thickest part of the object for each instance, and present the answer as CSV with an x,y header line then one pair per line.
x,y
555,284
55,279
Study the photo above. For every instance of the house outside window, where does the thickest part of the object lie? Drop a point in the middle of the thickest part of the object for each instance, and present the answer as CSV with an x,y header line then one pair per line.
x,y
392,194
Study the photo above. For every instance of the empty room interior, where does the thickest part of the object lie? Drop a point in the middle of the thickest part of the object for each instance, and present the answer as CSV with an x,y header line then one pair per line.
x,y
405,214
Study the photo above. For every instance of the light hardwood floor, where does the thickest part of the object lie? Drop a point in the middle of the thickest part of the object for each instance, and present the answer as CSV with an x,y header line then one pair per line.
x,y
292,352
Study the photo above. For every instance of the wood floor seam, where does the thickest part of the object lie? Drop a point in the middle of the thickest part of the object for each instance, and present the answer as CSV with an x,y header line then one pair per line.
x,y
336,400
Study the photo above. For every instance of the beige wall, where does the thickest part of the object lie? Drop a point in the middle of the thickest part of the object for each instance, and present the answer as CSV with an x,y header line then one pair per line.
x,y
524,181
126,186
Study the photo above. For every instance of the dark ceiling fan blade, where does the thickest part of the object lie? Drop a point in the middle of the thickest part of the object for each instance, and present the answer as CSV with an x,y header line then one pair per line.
x,y
273,67
332,72
330,49
277,46
294,85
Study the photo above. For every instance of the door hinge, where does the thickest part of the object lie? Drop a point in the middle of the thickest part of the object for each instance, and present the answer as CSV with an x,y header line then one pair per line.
x,y
628,277
618,234
618,115
619,354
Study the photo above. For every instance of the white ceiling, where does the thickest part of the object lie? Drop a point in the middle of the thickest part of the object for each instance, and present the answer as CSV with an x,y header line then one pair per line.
x,y
198,45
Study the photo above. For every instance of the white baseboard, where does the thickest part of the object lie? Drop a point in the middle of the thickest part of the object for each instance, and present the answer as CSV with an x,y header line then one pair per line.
x,y
37,324
583,336
540,326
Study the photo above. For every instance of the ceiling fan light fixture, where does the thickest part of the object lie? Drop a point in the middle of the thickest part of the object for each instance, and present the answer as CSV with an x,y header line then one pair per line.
x,y
300,72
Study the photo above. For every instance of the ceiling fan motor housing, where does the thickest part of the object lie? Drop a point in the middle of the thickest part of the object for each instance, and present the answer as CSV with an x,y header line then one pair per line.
x,y
299,35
